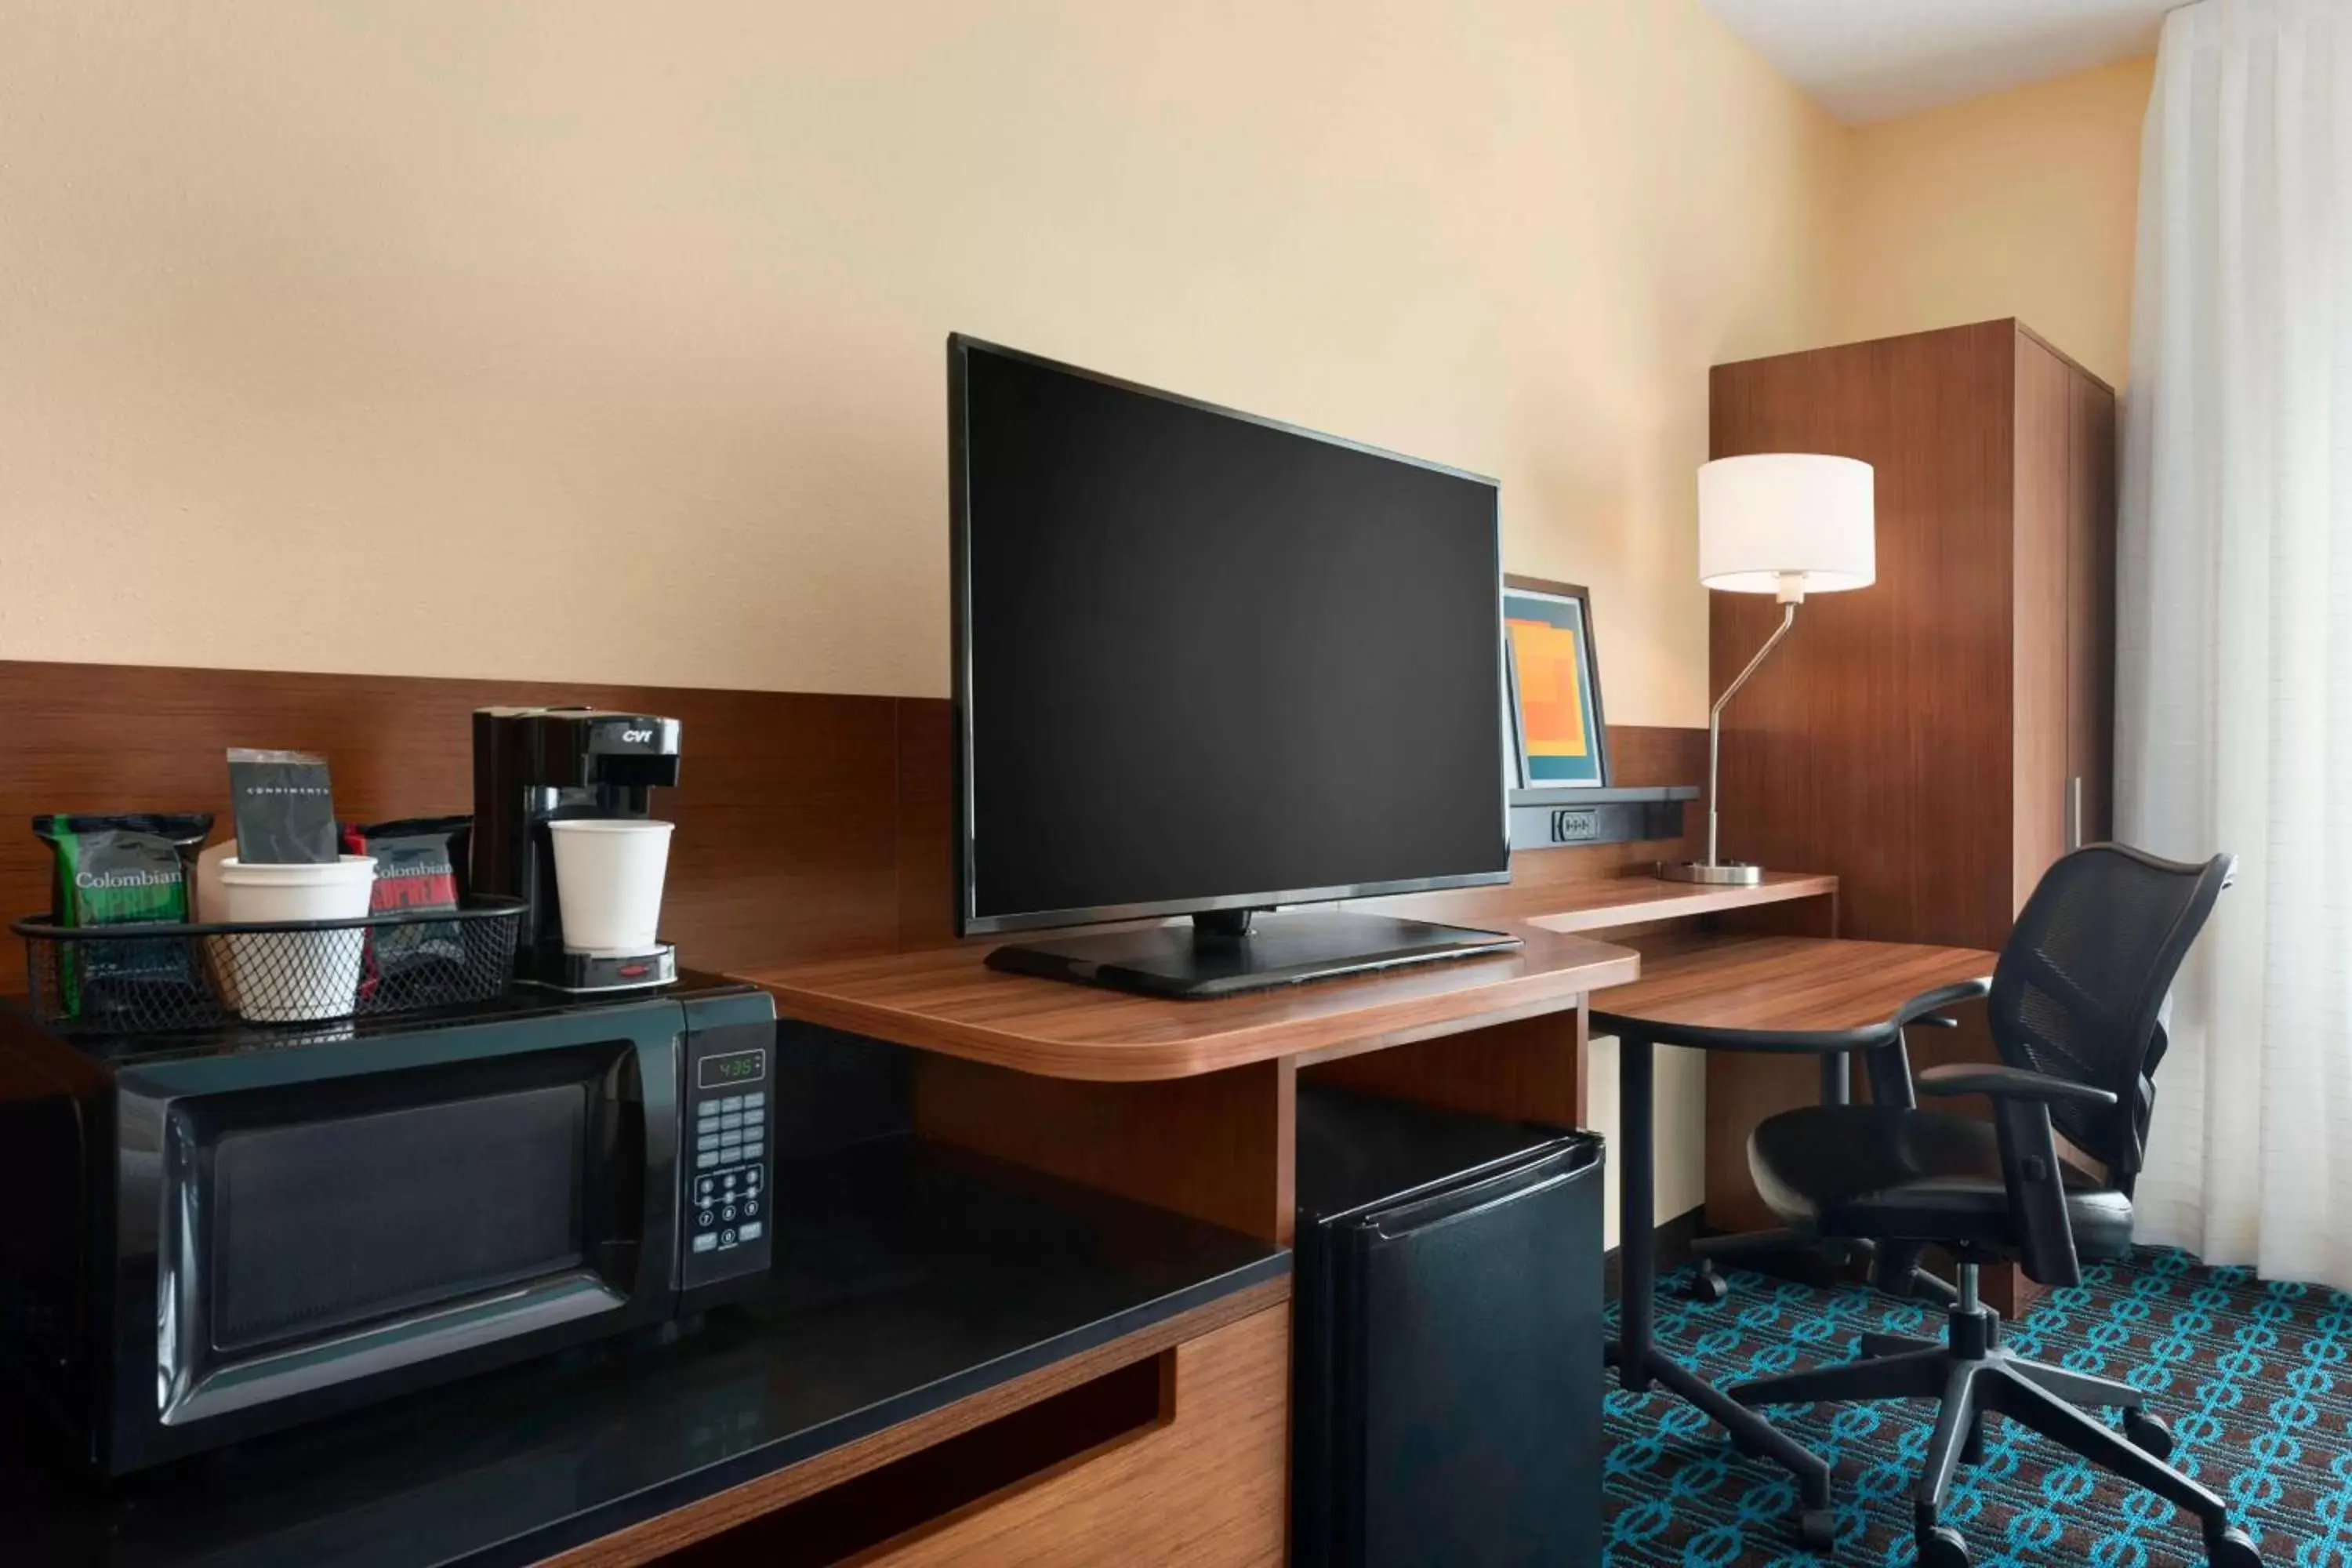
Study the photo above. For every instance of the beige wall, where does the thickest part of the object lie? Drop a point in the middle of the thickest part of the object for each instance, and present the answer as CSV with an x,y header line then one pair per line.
x,y
2016,203
604,340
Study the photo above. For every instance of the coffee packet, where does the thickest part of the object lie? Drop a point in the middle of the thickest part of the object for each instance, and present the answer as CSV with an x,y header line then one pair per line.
x,y
131,870
420,865
285,810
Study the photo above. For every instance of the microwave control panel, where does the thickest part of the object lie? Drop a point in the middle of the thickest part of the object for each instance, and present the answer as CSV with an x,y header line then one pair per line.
x,y
723,1155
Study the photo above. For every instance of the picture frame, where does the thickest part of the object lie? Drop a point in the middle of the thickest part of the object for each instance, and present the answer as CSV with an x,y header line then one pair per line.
x,y
1559,737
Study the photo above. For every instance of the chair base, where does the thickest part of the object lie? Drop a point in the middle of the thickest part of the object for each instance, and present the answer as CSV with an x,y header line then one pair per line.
x,y
1973,1376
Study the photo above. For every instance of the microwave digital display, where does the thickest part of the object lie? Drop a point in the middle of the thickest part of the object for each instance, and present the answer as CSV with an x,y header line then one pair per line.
x,y
731,1069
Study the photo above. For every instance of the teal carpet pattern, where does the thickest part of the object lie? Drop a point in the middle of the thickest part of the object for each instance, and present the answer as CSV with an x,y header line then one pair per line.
x,y
2255,1378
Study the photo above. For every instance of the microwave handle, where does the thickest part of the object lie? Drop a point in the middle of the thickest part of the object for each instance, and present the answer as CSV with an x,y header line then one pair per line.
x,y
427,1336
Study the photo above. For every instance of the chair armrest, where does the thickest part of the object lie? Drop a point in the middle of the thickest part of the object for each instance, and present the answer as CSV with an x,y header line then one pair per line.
x,y
2004,1082
2029,1155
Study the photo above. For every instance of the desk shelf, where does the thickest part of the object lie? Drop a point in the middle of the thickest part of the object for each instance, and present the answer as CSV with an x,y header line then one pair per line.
x,y
1602,905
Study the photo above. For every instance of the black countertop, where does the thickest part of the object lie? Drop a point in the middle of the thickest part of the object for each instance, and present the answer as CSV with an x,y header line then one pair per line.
x,y
907,1277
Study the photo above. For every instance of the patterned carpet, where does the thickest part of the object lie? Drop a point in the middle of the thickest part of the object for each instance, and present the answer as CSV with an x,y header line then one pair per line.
x,y
2250,1376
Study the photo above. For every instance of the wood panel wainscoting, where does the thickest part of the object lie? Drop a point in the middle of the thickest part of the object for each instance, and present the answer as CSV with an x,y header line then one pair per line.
x,y
808,826
793,827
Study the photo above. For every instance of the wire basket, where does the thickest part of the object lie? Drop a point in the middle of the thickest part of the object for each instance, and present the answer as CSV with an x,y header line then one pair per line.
x,y
152,979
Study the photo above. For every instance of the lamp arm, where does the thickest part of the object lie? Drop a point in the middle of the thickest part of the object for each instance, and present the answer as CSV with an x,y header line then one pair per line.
x,y
1714,723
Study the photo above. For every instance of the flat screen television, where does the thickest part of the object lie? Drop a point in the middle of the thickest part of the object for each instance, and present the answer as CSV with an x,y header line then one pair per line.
x,y
1207,664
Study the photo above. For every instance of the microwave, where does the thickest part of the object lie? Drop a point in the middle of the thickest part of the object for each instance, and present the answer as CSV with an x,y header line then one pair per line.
x,y
215,1236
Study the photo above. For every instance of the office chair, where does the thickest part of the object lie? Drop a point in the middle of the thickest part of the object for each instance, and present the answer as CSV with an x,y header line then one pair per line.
x,y
1895,1270
2073,1012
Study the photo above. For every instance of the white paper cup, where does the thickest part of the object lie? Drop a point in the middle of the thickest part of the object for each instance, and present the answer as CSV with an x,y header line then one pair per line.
x,y
212,905
289,976
608,882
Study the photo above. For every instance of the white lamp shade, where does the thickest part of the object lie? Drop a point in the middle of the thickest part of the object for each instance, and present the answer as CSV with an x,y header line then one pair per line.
x,y
1786,522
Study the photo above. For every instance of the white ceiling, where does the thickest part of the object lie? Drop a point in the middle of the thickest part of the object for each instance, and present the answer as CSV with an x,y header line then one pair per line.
x,y
1877,60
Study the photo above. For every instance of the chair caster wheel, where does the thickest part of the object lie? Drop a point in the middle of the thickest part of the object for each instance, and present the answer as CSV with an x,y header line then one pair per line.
x,y
2232,1549
1816,1528
1706,1287
1941,1546
2148,1434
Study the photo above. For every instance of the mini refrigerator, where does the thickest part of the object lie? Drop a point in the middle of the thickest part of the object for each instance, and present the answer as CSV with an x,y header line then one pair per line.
x,y
1447,1359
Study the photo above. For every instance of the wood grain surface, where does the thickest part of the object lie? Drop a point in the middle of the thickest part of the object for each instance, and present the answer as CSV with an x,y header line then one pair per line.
x,y
1875,743
793,826
808,826
2091,605
657,1538
1919,738
945,1000
1798,988
2041,553
1218,1146
1209,1489
1601,904
1532,1070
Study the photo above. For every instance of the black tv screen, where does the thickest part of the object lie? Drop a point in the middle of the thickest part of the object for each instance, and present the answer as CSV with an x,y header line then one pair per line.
x,y
1205,661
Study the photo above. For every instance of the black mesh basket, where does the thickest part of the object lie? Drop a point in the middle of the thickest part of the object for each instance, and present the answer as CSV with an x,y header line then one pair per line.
x,y
147,979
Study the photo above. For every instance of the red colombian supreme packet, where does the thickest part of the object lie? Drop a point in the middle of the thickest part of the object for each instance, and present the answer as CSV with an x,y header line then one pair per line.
x,y
420,867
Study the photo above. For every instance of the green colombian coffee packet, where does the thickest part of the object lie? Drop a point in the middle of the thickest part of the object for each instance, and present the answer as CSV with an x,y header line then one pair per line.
x,y
135,869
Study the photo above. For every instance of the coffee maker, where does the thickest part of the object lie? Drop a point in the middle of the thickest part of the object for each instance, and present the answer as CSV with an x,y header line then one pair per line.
x,y
536,765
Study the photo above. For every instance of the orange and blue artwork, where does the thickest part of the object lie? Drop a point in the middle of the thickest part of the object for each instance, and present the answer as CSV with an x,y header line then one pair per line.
x,y
1554,706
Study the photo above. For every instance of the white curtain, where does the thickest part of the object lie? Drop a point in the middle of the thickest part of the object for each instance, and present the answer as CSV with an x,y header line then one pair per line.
x,y
2234,678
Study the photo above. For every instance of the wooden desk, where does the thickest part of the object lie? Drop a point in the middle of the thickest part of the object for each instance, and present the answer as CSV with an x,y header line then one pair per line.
x,y
1787,994
947,1001
1191,1106
1188,1104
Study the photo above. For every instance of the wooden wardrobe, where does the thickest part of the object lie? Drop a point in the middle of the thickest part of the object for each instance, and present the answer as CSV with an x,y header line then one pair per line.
x,y
1938,738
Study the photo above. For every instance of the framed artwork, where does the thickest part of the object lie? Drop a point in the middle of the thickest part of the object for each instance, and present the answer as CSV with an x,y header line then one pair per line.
x,y
1558,737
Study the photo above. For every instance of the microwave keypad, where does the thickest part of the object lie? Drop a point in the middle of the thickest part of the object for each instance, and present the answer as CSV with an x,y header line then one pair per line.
x,y
730,1149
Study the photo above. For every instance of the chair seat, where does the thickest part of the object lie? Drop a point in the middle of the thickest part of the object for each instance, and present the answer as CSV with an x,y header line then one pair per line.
x,y
1911,1175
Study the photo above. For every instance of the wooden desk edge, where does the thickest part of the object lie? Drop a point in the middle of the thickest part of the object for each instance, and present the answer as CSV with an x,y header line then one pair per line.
x,y
1582,909
802,990
1378,1024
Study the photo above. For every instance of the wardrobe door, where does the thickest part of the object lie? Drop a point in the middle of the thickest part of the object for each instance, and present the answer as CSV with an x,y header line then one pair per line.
x,y
2091,612
2042,520
1875,743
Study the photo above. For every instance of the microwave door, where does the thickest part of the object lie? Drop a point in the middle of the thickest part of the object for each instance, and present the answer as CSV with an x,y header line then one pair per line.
x,y
319,1251
321,1240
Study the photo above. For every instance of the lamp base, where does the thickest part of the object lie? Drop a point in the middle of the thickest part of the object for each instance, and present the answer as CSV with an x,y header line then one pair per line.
x,y
1715,873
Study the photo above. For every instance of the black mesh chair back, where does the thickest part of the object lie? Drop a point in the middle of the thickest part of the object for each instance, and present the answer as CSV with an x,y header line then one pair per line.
x,y
2084,975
